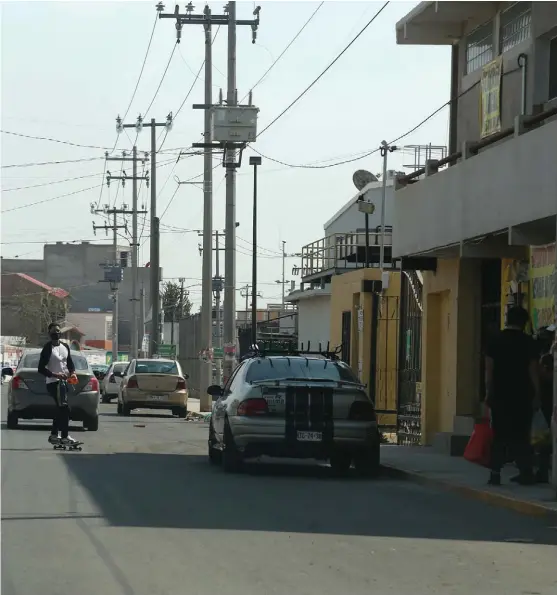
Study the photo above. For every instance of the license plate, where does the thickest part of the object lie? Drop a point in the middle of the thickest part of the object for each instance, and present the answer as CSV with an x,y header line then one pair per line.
x,y
310,436
159,397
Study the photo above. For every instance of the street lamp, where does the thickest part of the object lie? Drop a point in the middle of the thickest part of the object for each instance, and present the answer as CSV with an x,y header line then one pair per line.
x,y
255,161
368,208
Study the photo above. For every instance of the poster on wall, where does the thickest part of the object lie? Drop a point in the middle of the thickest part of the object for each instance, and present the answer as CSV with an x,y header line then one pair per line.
x,y
542,283
490,97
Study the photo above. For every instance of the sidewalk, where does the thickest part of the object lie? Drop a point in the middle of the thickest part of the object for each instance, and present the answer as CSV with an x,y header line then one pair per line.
x,y
424,465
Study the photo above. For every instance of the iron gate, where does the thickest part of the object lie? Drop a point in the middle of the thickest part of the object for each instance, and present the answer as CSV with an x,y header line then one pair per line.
x,y
409,419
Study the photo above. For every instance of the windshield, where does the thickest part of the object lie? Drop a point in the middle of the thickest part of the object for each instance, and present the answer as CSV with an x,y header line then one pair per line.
x,y
297,367
32,361
156,367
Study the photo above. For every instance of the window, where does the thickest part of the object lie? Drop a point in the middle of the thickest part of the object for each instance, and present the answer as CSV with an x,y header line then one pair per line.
x,y
479,47
155,367
515,24
234,375
32,361
299,367
553,68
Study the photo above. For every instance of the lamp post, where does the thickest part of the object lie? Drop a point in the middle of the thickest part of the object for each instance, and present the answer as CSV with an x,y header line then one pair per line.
x,y
255,161
368,208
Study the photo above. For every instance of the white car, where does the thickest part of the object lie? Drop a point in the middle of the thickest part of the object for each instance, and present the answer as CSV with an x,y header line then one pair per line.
x,y
111,382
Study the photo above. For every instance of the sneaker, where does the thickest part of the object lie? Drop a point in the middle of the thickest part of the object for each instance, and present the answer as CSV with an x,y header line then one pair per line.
x,y
69,440
54,439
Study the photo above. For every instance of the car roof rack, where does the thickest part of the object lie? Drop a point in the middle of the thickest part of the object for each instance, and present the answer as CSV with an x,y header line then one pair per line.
x,y
260,351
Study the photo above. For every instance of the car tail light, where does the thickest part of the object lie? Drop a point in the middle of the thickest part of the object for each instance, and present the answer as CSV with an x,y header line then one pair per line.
x,y
362,411
253,407
181,384
18,382
112,379
92,386
132,382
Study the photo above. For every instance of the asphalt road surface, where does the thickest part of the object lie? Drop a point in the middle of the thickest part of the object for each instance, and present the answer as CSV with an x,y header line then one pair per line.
x,y
141,512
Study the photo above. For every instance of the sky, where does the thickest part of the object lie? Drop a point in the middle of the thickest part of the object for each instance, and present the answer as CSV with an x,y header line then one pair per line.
x,y
69,68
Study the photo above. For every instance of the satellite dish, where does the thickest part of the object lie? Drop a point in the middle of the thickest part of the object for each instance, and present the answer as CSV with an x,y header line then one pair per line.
x,y
362,178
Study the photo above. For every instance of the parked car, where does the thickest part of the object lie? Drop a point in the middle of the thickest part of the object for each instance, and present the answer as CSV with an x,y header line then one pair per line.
x,y
295,407
99,370
111,382
154,384
28,399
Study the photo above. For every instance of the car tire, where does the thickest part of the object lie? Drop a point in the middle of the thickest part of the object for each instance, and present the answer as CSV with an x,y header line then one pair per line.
x,y
340,463
367,462
12,420
182,412
105,398
215,457
232,460
91,423
119,409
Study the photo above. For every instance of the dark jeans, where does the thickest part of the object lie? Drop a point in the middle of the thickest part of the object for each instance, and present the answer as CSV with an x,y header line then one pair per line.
x,y
59,392
512,427
544,452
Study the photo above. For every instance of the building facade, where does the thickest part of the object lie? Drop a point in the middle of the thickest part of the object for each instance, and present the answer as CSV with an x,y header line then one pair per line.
x,y
472,220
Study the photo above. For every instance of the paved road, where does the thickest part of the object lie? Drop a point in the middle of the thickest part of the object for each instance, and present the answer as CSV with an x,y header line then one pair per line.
x,y
141,512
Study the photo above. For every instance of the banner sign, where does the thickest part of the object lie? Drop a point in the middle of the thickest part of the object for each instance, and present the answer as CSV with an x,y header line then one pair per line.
x,y
490,97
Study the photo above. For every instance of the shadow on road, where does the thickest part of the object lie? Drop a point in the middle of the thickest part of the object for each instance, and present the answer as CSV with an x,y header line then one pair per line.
x,y
30,426
184,491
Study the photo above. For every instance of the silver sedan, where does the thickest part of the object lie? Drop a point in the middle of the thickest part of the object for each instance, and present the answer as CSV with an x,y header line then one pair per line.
x,y
294,407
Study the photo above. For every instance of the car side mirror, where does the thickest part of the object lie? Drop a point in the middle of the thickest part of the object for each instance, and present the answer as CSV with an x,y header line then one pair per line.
x,y
7,372
215,391
187,376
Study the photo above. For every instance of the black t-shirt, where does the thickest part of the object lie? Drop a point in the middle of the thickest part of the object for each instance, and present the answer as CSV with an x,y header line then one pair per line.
x,y
512,352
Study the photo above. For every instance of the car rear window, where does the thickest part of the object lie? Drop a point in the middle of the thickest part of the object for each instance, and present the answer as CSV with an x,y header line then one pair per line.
x,y
120,367
297,367
155,367
32,361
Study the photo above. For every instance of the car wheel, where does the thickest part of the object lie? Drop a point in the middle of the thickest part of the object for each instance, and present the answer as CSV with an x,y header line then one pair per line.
x,y
91,423
119,409
105,398
367,462
232,460
12,420
214,454
340,463
182,412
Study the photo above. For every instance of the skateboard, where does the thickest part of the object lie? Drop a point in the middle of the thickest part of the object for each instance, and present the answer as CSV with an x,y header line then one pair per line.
x,y
75,446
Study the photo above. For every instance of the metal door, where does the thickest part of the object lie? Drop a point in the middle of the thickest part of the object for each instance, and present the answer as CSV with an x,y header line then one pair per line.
x,y
346,336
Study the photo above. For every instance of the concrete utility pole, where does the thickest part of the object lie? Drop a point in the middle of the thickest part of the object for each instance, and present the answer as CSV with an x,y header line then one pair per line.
x,y
154,247
114,283
134,342
142,318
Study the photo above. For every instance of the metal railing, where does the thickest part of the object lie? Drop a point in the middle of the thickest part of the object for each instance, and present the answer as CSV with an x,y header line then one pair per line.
x,y
342,251
523,124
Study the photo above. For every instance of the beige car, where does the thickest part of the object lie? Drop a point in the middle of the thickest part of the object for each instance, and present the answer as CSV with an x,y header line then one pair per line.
x,y
153,384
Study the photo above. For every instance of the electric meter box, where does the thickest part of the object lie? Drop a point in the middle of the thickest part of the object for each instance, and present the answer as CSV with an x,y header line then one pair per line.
x,y
234,124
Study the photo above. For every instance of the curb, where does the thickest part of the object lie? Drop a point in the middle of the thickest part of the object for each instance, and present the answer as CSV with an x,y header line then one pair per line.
x,y
495,498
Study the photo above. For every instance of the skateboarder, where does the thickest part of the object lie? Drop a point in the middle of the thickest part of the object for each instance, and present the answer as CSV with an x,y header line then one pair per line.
x,y
56,364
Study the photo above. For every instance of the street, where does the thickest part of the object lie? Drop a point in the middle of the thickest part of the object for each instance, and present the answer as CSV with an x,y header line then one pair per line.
x,y
141,512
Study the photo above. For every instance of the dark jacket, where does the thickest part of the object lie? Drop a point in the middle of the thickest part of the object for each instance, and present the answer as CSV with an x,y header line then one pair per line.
x,y
45,358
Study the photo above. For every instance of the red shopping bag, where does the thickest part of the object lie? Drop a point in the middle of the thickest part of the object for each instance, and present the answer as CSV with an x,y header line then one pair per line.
x,y
478,449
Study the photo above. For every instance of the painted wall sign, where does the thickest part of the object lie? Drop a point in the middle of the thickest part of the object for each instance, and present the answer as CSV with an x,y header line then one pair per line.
x,y
542,285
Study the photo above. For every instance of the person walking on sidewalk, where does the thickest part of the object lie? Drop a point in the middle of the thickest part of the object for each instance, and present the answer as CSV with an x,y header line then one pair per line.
x,y
56,364
512,395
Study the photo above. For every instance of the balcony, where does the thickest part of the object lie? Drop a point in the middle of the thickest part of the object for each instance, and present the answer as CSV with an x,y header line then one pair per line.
x,y
503,186
339,253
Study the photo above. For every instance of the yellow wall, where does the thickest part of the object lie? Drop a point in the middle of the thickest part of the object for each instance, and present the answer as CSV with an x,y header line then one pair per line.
x,y
450,344
346,296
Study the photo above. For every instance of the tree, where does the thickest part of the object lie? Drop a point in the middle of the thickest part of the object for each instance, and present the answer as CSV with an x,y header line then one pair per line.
x,y
175,301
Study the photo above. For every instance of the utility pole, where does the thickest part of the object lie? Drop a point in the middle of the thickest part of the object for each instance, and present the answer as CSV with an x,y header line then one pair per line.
x,y
113,282
283,267
154,246
142,317
134,343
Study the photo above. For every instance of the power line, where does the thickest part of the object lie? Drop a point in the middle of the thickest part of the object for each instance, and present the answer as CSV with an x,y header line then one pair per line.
x,y
52,162
285,49
51,183
326,69
38,202
53,140
162,79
